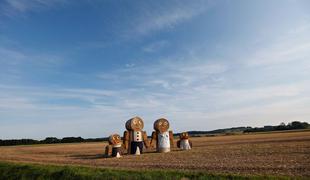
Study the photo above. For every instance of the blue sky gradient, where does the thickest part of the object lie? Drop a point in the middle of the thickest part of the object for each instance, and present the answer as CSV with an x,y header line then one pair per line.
x,y
82,68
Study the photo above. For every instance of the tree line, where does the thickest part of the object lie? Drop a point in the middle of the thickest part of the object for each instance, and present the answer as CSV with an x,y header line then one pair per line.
x,y
248,129
290,126
53,140
49,140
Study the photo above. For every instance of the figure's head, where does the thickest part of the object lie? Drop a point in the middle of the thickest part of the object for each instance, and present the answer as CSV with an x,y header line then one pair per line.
x,y
161,125
134,124
115,139
184,135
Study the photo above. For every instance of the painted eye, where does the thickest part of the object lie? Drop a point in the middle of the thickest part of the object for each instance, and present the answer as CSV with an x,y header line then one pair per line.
x,y
134,122
165,123
159,123
117,137
139,122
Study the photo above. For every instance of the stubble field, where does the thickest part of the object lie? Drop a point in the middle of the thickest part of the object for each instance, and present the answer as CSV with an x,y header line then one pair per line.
x,y
284,154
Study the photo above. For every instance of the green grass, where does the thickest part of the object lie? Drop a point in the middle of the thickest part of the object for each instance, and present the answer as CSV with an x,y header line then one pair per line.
x,y
12,171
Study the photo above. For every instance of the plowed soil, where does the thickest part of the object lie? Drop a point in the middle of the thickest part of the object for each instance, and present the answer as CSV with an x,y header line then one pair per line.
x,y
285,154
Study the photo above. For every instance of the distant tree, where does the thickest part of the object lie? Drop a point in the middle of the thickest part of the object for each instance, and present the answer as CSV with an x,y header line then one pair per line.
x,y
50,140
13,142
71,139
282,124
305,125
299,125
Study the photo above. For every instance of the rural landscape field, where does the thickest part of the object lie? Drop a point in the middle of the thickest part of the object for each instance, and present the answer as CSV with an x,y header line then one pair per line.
x,y
268,154
122,89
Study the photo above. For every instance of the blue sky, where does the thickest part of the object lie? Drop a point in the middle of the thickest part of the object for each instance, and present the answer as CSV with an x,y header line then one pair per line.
x,y
82,68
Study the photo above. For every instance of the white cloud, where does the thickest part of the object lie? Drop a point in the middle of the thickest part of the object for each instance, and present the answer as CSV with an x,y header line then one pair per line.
x,y
211,107
15,103
290,46
261,94
268,113
280,54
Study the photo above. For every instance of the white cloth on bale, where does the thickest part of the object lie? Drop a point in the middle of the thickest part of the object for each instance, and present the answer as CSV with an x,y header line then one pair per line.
x,y
184,144
163,140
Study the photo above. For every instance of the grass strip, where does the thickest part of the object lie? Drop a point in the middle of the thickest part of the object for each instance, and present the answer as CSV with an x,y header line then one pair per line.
x,y
16,171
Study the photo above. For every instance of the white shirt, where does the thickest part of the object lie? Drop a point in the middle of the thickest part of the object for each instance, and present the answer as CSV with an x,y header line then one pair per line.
x,y
163,140
137,136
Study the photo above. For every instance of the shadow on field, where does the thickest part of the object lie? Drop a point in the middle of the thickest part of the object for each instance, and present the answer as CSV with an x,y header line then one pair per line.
x,y
103,156
155,152
88,156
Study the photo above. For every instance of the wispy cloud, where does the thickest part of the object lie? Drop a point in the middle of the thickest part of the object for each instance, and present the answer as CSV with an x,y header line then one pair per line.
x,y
283,53
293,45
10,56
16,62
17,7
211,106
167,16
171,74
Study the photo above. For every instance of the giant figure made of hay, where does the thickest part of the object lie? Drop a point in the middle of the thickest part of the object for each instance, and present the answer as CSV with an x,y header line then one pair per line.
x,y
134,138
162,138
114,149
184,143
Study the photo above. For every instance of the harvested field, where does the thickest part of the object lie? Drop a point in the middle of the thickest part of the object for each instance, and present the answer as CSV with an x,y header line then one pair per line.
x,y
286,154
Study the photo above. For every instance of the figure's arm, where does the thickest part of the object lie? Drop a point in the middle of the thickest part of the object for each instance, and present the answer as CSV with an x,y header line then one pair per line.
x,y
179,143
122,149
126,139
108,150
145,140
153,139
190,143
171,138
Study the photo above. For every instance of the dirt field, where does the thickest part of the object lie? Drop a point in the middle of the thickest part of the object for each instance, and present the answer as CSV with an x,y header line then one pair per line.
x,y
260,154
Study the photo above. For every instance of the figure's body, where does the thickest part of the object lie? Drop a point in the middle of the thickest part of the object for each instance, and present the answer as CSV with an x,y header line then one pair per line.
x,y
134,137
114,149
184,143
162,138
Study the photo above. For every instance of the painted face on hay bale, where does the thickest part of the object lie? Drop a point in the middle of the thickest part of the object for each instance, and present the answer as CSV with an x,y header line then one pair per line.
x,y
184,135
135,124
161,125
115,139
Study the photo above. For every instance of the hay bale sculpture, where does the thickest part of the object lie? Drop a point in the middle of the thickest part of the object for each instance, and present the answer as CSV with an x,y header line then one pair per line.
x,y
134,137
162,138
184,143
114,149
